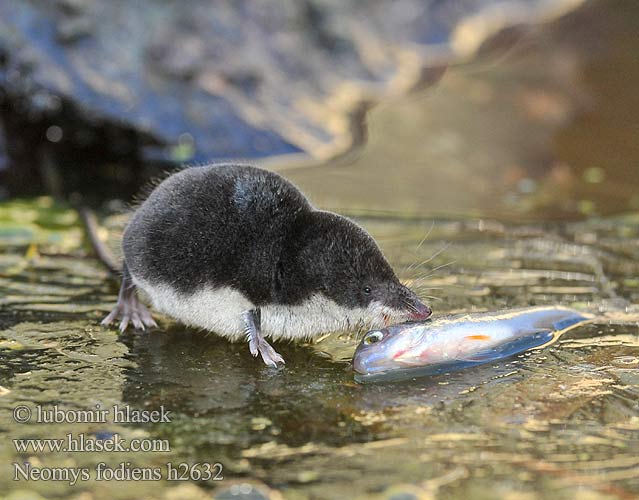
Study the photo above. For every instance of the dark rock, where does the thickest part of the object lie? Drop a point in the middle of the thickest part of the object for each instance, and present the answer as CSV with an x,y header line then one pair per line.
x,y
231,80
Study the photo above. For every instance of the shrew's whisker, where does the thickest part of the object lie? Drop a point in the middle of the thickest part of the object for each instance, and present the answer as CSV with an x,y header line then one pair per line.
x,y
445,247
430,230
432,271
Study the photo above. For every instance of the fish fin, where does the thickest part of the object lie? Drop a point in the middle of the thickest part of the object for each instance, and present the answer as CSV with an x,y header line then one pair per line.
x,y
535,338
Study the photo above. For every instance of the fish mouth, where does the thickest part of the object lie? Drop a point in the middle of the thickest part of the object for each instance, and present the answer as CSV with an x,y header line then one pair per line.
x,y
367,367
366,362
359,367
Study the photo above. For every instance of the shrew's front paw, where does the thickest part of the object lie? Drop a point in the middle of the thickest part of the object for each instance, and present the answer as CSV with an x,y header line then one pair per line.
x,y
270,356
257,343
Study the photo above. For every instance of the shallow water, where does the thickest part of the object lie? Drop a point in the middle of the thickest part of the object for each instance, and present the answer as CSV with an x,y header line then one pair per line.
x,y
561,422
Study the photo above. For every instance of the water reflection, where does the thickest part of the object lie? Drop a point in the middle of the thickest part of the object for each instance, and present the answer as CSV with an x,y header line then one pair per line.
x,y
544,132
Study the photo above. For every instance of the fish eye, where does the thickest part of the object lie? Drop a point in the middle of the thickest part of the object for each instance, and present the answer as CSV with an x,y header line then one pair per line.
x,y
367,290
373,337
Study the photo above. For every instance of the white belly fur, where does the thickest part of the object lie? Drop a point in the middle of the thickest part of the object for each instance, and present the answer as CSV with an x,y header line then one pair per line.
x,y
220,311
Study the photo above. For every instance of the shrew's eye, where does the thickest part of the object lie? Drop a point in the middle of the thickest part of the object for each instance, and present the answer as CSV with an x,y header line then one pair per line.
x,y
373,337
367,290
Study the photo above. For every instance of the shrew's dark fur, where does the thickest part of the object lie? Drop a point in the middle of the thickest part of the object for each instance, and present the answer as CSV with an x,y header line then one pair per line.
x,y
250,229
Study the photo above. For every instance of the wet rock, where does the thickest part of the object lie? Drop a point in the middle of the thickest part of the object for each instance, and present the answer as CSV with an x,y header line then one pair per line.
x,y
4,160
74,29
241,80
246,491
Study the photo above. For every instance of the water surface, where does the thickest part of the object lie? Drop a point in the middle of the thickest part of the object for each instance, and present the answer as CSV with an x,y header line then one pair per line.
x,y
563,420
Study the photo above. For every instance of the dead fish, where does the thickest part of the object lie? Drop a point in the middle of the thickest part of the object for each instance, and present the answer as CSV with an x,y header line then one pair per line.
x,y
456,342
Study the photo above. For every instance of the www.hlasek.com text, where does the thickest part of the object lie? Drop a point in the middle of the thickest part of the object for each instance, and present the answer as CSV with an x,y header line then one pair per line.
x,y
81,443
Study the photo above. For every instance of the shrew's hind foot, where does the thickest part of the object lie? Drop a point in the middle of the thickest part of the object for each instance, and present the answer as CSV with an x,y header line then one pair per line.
x,y
128,308
256,341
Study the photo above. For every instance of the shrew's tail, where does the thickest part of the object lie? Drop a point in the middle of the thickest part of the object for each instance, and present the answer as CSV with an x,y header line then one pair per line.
x,y
102,252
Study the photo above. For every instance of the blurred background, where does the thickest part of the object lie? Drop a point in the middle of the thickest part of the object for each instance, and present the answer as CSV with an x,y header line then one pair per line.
x,y
515,109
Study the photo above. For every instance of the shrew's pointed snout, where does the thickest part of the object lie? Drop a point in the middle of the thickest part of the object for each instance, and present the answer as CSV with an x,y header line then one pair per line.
x,y
421,312
417,310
